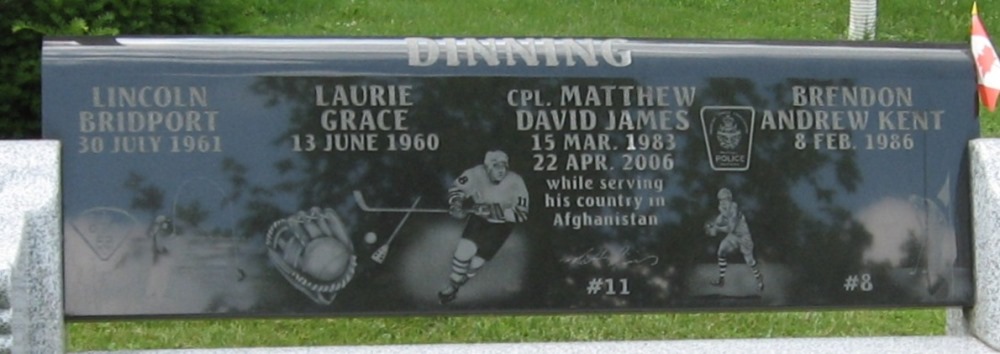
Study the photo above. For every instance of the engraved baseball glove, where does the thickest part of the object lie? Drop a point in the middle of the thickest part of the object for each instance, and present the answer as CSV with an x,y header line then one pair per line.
x,y
312,251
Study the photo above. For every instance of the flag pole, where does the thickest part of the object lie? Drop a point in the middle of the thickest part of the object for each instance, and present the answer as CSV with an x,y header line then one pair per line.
x,y
864,14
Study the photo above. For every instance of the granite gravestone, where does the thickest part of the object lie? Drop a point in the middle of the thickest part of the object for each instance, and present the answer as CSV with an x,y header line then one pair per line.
x,y
293,176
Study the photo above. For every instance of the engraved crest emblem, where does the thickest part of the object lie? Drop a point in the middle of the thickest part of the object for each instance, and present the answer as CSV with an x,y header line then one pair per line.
x,y
728,136
104,229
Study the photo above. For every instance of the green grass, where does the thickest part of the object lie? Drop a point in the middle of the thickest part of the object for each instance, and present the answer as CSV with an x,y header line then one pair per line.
x,y
415,330
678,19
824,20
736,19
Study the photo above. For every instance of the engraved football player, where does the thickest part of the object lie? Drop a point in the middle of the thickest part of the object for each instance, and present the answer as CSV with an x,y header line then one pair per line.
x,y
497,199
733,224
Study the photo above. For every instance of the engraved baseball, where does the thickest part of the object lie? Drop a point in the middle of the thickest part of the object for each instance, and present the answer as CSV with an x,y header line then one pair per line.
x,y
326,259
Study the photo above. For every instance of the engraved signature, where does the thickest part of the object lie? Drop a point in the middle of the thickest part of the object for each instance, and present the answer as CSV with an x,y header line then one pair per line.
x,y
623,257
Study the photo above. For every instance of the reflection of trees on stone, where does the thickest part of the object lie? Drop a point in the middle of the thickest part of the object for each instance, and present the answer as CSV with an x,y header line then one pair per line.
x,y
236,173
471,115
468,115
828,245
913,248
261,211
146,197
192,213
690,191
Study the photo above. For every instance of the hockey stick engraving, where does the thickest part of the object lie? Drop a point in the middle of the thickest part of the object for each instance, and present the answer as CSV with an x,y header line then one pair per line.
x,y
381,252
359,199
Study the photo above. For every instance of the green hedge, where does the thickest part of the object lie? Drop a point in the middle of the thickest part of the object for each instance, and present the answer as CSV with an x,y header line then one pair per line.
x,y
23,24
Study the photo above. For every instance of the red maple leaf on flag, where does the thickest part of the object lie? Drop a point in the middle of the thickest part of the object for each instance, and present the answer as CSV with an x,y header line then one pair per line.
x,y
986,60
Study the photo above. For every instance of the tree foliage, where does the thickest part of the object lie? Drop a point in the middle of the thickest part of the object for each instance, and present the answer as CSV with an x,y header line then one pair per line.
x,y
24,24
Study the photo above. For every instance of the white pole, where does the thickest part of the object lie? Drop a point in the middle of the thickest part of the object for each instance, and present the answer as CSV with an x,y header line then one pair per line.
x,y
864,14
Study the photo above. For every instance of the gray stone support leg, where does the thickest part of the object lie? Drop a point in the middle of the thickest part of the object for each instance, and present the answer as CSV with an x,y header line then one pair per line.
x,y
31,293
983,319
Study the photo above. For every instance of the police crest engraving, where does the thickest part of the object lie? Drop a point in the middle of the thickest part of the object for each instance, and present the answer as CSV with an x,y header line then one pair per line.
x,y
728,136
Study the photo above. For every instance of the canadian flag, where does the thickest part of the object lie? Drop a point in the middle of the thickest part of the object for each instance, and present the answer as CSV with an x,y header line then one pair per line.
x,y
987,64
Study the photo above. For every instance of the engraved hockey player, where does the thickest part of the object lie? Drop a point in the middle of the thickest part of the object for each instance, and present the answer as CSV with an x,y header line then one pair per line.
x,y
497,199
733,224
